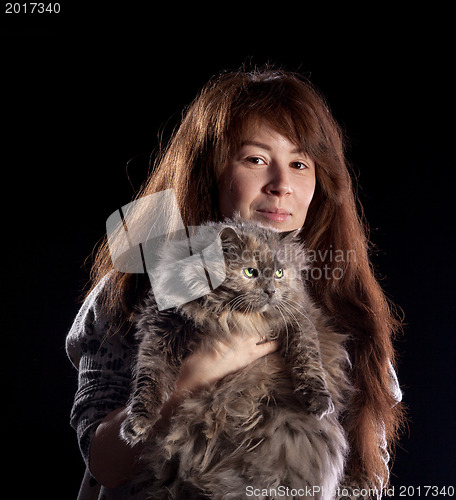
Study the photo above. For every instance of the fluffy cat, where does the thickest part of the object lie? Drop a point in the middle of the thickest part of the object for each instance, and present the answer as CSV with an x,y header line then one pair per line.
x,y
274,423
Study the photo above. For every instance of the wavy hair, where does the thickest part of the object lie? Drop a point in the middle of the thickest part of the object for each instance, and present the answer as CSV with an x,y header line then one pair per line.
x,y
210,131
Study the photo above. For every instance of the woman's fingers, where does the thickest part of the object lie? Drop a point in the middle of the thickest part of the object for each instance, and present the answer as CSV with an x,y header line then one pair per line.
x,y
202,367
267,347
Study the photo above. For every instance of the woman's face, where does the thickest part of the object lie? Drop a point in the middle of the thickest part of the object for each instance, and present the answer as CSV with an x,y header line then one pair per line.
x,y
269,180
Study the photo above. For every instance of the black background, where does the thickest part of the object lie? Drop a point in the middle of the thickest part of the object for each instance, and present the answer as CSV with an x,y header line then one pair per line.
x,y
84,98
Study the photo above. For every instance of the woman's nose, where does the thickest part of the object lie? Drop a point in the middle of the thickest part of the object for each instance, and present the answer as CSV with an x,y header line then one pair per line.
x,y
278,182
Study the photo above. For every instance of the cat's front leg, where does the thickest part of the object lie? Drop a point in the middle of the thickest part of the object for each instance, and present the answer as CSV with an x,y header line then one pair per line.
x,y
308,373
143,410
153,383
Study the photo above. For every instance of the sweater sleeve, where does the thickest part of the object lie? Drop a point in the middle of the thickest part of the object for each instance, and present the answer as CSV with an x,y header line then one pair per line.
x,y
351,490
99,349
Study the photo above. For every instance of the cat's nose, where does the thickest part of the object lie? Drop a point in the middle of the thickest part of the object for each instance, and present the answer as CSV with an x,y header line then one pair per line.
x,y
269,292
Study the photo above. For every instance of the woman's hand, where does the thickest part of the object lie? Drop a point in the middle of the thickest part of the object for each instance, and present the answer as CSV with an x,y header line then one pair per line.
x,y
203,368
112,461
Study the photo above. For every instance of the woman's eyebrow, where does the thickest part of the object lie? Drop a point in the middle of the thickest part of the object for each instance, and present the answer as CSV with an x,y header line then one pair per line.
x,y
258,144
266,146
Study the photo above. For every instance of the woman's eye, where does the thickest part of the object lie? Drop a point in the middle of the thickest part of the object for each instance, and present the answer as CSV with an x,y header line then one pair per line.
x,y
279,273
256,160
299,165
250,272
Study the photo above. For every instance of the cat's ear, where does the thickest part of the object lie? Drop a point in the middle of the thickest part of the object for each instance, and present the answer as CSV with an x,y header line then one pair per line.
x,y
230,238
288,236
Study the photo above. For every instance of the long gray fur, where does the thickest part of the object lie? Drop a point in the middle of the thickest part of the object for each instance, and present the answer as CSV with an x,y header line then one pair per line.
x,y
275,422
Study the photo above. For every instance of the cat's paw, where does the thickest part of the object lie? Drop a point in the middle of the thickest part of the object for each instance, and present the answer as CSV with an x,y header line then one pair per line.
x,y
318,403
322,405
135,428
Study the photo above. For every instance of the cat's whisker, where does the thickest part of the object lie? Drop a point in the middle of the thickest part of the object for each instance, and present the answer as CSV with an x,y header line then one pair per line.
x,y
286,326
300,310
292,317
297,306
233,301
236,301
287,308
236,297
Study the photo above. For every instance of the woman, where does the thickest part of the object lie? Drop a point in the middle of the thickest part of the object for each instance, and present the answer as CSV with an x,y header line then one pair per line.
x,y
263,144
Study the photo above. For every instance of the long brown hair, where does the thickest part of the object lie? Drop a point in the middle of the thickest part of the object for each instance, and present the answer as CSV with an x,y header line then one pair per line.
x,y
210,131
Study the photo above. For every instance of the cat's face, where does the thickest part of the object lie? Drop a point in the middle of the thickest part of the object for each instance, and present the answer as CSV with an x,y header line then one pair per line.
x,y
260,271
263,269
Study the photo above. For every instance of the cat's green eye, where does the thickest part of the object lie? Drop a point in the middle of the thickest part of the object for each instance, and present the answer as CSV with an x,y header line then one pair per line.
x,y
250,272
278,273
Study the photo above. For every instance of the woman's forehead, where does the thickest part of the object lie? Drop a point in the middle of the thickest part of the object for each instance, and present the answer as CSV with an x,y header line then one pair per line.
x,y
253,127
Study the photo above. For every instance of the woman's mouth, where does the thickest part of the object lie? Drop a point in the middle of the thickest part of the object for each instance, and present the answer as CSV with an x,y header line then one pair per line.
x,y
275,214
